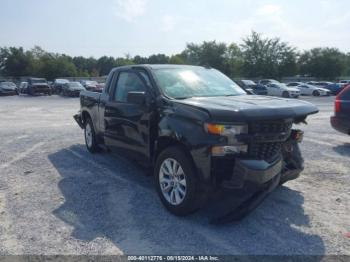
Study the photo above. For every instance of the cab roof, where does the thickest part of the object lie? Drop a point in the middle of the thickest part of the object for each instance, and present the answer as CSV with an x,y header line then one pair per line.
x,y
158,66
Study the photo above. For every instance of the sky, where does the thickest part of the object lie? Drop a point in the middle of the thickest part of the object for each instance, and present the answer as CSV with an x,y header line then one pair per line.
x,y
144,27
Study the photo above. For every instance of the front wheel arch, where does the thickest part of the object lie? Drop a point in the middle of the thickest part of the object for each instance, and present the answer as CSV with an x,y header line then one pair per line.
x,y
84,116
195,197
163,143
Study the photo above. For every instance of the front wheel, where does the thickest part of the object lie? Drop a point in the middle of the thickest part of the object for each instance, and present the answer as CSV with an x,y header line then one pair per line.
x,y
31,92
285,94
176,181
90,137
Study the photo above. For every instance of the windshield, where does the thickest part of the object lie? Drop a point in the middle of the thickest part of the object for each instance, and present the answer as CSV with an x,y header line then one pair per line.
x,y
248,82
36,81
181,83
61,81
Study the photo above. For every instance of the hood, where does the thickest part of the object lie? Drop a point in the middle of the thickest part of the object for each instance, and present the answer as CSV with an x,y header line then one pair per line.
x,y
8,88
245,108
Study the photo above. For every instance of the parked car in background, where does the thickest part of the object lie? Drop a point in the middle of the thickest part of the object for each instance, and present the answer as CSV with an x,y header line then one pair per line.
x,y
344,82
282,90
268,81
58,85
38,86
334,88
23,87
250,85
72,89
8,88
341,119
90,85
100,87
306,89
319,83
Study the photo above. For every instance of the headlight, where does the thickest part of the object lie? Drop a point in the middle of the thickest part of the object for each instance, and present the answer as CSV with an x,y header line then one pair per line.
x,y
230,132
225,130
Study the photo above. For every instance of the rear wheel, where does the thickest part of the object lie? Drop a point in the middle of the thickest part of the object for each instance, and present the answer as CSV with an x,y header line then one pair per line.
x,y
285,94
176,181
90,137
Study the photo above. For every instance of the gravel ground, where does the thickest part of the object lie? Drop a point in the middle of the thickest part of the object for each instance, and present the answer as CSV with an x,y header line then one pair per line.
x,y
56,198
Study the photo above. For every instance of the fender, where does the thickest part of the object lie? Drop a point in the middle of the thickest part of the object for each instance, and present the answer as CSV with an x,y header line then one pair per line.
x,y
185,126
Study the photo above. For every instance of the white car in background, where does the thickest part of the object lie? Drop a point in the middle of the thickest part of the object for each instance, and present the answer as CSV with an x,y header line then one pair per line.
x,y
279,89
309,90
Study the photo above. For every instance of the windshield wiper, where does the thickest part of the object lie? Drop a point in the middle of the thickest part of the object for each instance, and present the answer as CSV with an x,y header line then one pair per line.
x,y
183,97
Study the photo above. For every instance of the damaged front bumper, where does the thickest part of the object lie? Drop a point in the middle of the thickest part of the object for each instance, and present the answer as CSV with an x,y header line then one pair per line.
x,y
78,118
257,178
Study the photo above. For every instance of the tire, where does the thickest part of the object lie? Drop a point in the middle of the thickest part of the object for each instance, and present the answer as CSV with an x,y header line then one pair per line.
x,y
316,93
31,92
183,196
49,93
285,94
90,137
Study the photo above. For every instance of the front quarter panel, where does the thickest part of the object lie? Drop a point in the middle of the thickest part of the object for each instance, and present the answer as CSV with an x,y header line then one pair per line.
x,y
185,124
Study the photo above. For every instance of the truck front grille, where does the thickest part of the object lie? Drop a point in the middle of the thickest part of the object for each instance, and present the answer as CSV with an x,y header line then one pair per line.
x,y
270,127
265,151
268,150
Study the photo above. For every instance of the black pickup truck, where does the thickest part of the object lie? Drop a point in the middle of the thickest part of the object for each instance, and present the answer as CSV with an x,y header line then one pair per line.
x,y
38,86
198,131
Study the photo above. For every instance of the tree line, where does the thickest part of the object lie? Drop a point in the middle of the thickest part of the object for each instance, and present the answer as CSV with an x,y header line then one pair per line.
x,y
256,57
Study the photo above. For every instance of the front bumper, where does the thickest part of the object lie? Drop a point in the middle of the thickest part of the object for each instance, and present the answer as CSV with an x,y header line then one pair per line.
x,y
74,93
37,89
257,172
295,95
79,120
5,92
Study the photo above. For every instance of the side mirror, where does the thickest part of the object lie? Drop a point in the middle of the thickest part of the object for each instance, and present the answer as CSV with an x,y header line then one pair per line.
x,y
136,97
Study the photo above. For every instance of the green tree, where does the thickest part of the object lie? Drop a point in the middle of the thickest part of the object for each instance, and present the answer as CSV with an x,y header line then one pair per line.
x,y
264,57
327,63
158,59
177,59
105,64
207,54
234,60
14,62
